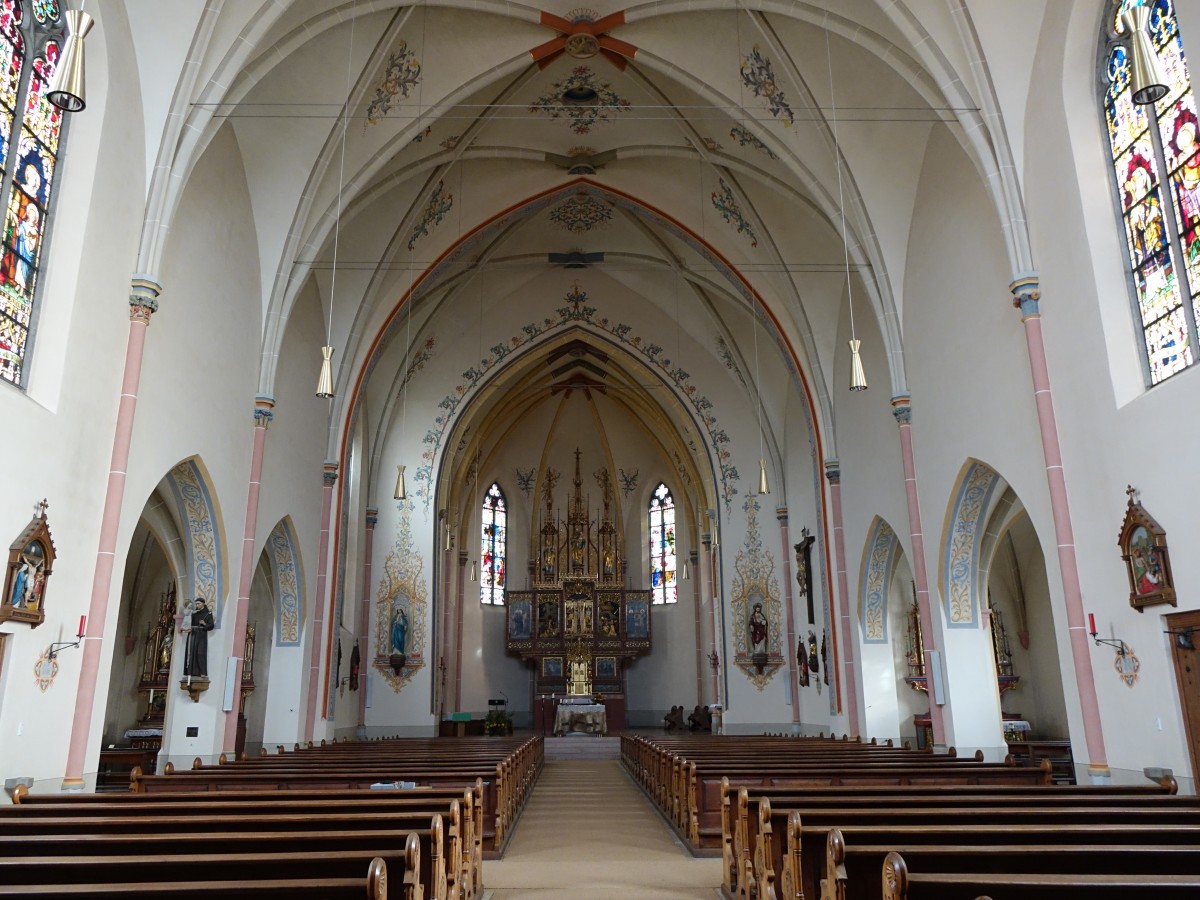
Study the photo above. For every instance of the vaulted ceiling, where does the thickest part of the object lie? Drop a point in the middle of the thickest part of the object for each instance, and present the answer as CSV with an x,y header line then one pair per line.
x,y
682,155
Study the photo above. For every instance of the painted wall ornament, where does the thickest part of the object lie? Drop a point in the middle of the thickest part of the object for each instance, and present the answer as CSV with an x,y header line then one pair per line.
x,y
402,74
1127,666
1143,545
756,608
45,670
731,211
438,205
758,75
30,564
575,311
400,608
746,138
581,213
582,99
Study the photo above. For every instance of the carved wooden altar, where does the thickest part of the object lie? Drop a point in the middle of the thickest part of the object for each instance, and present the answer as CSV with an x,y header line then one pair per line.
x,y
579,614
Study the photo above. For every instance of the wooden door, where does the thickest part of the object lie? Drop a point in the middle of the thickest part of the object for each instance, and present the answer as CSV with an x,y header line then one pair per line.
x,y
1185,645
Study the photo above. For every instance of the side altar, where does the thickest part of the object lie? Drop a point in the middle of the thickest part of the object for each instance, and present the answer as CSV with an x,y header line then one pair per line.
x,y
579,626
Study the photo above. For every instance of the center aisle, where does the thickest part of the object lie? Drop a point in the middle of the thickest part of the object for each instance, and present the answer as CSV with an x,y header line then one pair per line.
x,y
588,832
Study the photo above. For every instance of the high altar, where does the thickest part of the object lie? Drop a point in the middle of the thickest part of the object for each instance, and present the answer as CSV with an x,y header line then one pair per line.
x,y
579,626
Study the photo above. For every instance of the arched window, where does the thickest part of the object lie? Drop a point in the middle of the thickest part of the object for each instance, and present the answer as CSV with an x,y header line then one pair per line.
x,y
30,38
1162,225
492,550
662,546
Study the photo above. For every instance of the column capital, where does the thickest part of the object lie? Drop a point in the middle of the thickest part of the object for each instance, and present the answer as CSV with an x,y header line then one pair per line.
x,y
462,559
329,472
263,406
902,409
372,517
1027,294
833,471
143,298
781,514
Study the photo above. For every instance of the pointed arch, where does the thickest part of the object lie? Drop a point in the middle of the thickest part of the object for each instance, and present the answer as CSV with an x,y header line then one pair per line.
x,y
879,561
493,549
200,524
287,575
970,510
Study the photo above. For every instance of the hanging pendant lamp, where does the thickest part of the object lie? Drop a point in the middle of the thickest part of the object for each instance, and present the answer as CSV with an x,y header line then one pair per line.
x,y
858,378
1149,82
325,380
401,489
763,487
67,86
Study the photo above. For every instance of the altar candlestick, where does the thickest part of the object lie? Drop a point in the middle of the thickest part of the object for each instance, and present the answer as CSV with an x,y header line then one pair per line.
x,y
1092,623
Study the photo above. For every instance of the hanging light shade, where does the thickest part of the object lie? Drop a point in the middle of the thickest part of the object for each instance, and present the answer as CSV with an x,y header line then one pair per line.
x,y
474,571
325,381
1149,80
687,571
401,490
763,487
67,87
858,378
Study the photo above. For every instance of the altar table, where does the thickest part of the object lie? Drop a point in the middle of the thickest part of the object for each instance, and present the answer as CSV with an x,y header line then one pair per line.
x,y
589,718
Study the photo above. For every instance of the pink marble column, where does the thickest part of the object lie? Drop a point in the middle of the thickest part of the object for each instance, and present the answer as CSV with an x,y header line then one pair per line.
x,y
329,474
364,620
458,642
262,418
781,515
833,473
697,602
709,570
143,302
1027,296
902,411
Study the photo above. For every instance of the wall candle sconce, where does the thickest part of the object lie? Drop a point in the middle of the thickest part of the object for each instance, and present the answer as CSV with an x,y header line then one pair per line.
x,y
1117,642
63,645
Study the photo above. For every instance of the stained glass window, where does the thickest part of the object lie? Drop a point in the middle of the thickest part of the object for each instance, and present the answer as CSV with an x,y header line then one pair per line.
x,y
1162,224
493,544
662,546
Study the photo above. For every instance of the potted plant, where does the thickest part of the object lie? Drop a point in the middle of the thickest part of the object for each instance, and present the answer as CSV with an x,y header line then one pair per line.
x,y
498,721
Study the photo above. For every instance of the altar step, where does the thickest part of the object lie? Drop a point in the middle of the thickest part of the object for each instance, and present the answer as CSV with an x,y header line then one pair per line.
x,y
583,746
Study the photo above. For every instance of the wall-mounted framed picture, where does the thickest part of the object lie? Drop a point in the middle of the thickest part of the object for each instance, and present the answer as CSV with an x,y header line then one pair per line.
x,y
606,667
1143,544
552,667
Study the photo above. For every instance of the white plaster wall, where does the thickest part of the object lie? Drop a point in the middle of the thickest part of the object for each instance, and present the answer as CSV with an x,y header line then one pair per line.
x,y
1102,407
70,407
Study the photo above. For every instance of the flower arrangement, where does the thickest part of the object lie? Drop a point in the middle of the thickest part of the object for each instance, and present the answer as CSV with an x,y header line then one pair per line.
x,y
498,721
597,697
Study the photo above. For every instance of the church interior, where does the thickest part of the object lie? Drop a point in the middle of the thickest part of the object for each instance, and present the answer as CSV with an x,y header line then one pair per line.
x,y
458,370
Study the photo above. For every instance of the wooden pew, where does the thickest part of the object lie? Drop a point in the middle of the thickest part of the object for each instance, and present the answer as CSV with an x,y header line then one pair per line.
x,y
375,885
463,826
807,846
225,834
853,870
901,884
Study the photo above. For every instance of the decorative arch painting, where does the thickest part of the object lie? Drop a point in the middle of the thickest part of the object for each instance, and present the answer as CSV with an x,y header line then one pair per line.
x,y
401,608
967,519
197,512
756,609
883,548
285,569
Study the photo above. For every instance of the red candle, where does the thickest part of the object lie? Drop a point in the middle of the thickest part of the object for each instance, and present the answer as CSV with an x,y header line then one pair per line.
x,y
1092,623
82,626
